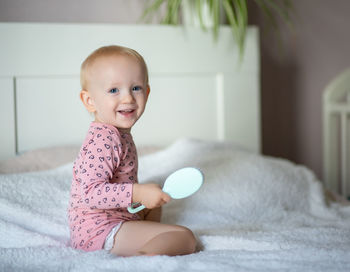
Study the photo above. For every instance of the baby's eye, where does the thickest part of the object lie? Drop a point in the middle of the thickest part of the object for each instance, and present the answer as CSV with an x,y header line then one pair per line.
x,y
137,88
114,90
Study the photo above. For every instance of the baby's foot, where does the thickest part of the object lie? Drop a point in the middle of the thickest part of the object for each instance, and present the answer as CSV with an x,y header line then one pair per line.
x,y
143,253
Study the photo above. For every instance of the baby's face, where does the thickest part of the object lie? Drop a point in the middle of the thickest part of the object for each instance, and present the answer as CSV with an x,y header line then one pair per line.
x,y
118,90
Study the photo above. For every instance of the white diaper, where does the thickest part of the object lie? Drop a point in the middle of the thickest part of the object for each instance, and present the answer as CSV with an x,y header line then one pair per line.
x,y
109,242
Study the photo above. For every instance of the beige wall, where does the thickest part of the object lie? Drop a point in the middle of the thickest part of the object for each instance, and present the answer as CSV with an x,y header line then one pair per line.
x,y
84,11
293,78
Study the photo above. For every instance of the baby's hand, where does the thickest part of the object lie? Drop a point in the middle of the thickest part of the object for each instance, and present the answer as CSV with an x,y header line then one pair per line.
x,y
149,195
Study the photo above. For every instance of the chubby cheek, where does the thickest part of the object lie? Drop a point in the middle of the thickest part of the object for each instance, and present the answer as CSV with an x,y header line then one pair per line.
x,y
107,104
106,110
142,101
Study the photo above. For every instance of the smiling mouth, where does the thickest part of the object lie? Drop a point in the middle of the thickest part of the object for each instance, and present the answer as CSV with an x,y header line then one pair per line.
x,y
126,112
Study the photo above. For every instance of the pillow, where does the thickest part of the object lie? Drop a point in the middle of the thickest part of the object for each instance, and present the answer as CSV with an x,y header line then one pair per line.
x,y
39,159
51,157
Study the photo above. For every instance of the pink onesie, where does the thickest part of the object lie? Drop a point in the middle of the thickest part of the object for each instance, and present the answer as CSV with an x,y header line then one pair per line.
x,y
103,175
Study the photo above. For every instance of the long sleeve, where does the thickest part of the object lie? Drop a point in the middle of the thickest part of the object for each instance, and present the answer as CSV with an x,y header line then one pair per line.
x,y
103,176
97,168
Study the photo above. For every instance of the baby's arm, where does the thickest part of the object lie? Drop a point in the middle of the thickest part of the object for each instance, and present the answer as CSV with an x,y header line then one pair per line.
x,y
94,169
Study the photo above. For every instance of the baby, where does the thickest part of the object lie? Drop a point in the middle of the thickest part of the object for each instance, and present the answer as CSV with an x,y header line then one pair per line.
x,y
115,89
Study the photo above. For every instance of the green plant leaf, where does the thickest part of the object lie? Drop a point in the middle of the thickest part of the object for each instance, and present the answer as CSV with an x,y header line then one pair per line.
x,y
280,10
151,9
267,13
233,21
242,22
236,12
216,18
200,14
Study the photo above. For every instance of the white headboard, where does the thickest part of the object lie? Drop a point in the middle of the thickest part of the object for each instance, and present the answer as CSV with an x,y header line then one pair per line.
x,y
199,88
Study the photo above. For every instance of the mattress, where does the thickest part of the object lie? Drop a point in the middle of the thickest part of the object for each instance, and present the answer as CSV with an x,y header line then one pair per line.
x,y
253,213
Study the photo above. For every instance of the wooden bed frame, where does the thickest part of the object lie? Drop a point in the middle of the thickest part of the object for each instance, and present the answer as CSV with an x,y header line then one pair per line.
x,y
199,88
336,134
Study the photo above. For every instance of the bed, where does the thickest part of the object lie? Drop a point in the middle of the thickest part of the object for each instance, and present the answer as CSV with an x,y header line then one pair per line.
x,y
253,213
336,137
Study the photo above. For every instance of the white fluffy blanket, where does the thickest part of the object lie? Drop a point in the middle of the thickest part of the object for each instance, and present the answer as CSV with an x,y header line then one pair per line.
x,y
253,213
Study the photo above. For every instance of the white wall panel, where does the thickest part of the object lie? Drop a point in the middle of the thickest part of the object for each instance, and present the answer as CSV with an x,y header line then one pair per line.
x,y
199,87
7,118
49,112
179,106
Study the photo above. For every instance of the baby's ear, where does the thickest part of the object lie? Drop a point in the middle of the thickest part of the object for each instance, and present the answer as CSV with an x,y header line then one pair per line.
x,y
148,90
87,100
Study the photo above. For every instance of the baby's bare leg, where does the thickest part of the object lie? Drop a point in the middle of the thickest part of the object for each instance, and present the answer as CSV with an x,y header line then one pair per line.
x,y
152,238
154,214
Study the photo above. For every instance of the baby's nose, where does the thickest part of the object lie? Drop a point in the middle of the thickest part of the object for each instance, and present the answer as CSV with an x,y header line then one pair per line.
x,y
127,97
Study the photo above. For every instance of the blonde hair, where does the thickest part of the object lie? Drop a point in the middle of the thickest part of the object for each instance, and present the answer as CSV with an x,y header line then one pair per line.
x,y
106,51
